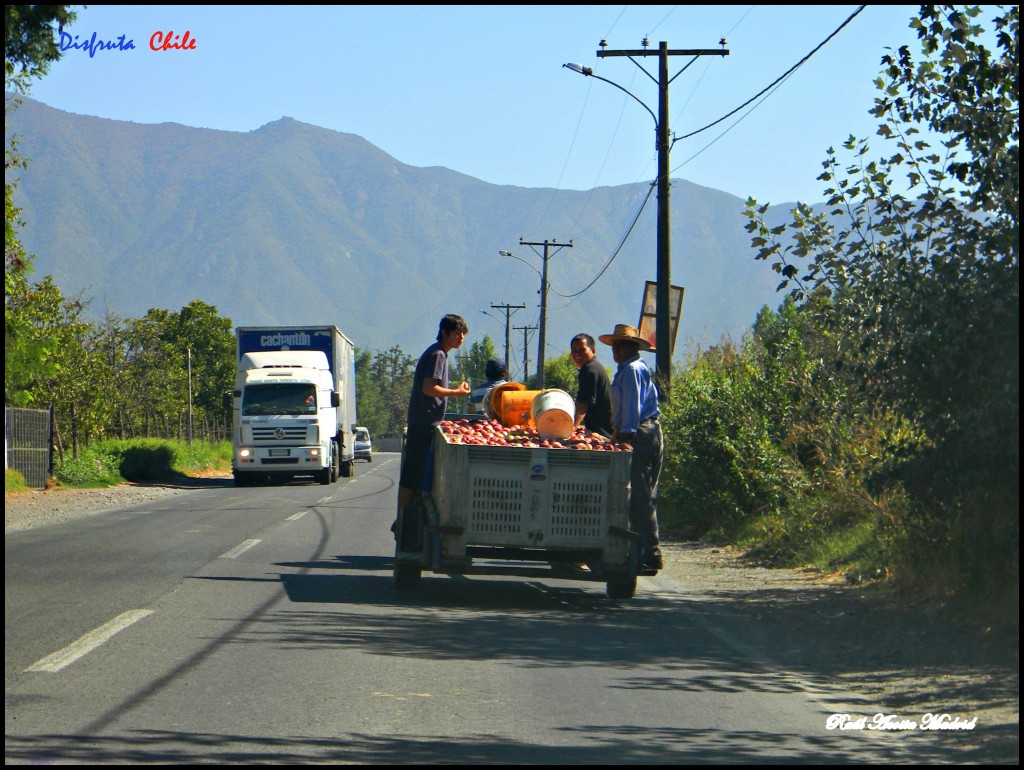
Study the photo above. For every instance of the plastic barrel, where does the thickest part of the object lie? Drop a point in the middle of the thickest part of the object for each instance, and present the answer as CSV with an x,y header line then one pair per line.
x,y
554,414
492,401
516,405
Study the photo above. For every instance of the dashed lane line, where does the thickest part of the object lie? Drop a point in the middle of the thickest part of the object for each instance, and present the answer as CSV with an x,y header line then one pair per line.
x,y
88,642
239,549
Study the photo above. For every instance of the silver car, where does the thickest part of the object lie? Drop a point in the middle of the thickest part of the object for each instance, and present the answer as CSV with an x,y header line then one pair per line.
x,y
364,445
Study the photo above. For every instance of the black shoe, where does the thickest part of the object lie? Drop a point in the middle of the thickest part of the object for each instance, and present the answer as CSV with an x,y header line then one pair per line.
x,y
652,563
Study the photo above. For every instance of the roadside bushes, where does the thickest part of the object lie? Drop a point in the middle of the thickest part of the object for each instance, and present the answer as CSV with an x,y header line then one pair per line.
x,y
768,447
14,481
115,461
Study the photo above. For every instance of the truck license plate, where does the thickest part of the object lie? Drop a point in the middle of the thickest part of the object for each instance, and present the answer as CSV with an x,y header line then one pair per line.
x,y
278,452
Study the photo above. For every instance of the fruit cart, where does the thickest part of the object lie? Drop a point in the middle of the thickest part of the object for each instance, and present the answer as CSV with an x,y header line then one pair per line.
x,y
505,501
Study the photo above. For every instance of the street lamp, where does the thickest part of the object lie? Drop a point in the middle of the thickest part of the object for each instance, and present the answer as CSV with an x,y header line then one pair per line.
x,y
588,72
663,338
662,351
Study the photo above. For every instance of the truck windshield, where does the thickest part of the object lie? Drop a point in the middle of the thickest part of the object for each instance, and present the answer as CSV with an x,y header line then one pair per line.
x,y
279,398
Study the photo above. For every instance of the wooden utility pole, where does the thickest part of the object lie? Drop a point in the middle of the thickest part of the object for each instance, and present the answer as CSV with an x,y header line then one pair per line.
x,y
663,340
544,301
526,351
508,313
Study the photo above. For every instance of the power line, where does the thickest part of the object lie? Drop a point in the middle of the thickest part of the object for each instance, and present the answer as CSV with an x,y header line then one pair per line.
x,y
778,80
650,191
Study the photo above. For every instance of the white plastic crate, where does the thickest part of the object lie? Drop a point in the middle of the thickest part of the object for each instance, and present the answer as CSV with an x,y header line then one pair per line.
x,y
531,497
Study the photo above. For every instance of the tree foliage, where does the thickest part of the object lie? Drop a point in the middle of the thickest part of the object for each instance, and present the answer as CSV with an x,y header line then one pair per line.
x,y
30,42
912,270
561,373
29,49
390,376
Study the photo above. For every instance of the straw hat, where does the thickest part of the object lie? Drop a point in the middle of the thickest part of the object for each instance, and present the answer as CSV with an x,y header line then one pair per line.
x,y
625,333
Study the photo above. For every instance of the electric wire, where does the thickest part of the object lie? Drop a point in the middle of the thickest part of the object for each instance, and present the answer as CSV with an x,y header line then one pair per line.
x,y
618,248
777,81
765,92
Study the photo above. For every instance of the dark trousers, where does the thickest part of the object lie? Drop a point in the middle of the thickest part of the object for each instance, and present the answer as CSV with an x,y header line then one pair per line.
x,y
645,469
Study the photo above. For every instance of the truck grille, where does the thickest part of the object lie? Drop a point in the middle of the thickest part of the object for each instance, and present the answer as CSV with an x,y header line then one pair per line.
x,y
292,434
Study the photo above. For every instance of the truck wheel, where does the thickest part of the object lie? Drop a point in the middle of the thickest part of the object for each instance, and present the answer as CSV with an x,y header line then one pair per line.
x,y
407,575
622,588
334,463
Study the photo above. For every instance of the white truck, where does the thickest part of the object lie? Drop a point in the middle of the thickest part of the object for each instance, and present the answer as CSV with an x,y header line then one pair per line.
x,y
294,404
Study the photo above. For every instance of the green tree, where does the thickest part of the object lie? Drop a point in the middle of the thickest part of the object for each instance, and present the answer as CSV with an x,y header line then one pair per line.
x,y
561,373
199,332
471,366
371,410
71,380
919,272
30,39
391,373
29,49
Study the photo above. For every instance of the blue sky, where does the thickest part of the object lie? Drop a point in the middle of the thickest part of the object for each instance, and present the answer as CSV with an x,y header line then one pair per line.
x,y
481,89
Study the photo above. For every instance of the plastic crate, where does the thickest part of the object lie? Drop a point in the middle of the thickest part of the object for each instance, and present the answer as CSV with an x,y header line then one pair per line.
x,y
532,497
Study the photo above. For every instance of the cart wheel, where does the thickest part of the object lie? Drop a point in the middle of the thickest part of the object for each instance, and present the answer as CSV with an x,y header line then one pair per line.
x,y
622,588
407,575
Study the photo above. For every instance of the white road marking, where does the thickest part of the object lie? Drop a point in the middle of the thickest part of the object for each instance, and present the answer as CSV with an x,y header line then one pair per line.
x,y
88,642
239,549
295,516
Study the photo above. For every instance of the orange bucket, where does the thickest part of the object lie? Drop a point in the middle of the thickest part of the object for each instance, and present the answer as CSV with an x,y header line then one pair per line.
x,y
493,406
516,407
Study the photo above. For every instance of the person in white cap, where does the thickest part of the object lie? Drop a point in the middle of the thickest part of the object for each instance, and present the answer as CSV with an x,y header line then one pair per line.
x,y
635,422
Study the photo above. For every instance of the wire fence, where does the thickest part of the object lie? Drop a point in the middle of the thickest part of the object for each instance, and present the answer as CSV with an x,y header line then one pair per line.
x,y
28,444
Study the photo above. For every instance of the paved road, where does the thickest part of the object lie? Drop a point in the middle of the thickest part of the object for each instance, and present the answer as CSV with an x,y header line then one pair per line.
x,y
261,625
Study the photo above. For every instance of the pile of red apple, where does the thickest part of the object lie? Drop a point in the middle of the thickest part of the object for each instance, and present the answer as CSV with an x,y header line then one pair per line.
x,y
493,433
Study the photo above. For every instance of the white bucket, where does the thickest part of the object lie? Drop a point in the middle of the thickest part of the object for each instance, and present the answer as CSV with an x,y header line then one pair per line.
x,y
554,414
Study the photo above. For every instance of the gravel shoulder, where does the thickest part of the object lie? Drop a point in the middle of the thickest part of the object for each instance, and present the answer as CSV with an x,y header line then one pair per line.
x,y
900,654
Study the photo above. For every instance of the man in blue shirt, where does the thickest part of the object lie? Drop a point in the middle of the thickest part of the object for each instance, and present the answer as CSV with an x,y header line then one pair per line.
x,y
635,423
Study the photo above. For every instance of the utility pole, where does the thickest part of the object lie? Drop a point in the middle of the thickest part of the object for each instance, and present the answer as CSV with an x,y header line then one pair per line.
x,y
544,301
663,339
508,313
526,351
189,396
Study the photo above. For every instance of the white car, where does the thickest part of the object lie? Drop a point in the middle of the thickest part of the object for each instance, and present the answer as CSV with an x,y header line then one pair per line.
x,y
364,445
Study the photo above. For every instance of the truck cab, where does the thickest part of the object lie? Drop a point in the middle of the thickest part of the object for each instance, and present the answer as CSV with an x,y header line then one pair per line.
x,y
294,404
286,412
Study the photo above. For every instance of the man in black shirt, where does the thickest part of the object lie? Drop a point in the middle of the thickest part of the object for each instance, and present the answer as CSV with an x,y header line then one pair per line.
x,y
594,393
427,402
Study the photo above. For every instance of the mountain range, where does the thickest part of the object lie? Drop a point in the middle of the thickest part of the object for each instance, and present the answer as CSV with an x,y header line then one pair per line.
x,y
295,224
